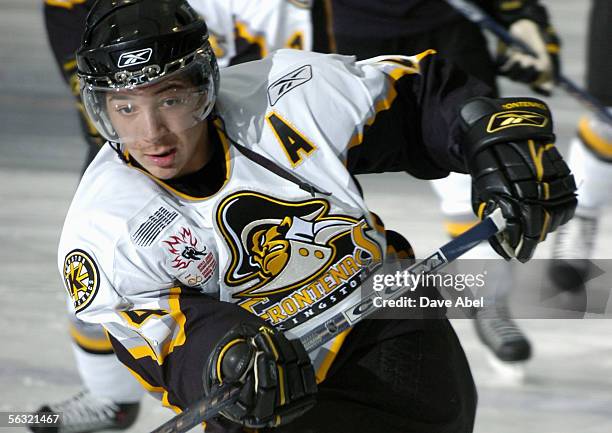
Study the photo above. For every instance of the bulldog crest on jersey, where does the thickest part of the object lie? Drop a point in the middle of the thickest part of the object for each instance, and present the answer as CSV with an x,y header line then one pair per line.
x,y
293,260
193,264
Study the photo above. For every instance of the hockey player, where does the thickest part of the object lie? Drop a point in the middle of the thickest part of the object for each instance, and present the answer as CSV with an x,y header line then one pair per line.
x,y
591,158
209,222
242,31
413,26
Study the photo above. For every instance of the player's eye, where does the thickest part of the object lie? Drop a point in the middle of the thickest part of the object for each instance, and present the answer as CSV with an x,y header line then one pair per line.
x,y
125,109
172,102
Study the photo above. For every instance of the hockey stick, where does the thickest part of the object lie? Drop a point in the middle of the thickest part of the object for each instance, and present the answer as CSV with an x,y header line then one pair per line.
x,y
227,395
200,411
478,16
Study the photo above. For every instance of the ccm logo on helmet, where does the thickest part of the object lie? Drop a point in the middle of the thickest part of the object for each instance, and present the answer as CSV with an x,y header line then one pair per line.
x,y
133,58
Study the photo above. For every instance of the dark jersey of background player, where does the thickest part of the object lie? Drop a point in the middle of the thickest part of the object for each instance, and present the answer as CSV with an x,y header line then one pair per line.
x,y
412,26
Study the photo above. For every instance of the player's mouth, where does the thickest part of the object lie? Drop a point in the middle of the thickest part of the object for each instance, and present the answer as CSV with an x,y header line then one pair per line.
x,y
162,159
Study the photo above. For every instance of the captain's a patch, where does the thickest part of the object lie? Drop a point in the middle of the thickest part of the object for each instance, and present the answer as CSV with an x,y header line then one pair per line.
x,y
81,278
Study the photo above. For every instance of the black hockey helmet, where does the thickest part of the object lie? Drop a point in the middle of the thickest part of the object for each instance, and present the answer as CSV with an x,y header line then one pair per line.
x,y
131,44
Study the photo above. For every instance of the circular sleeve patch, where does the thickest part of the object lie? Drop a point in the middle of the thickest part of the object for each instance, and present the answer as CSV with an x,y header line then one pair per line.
x,y
81,278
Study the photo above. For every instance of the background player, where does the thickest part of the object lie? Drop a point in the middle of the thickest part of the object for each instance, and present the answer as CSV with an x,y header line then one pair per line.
x,y
413,26
590,157
240,31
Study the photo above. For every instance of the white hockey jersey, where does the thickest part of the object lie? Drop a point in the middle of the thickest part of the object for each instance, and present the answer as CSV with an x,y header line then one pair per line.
x,y
152,263
242,30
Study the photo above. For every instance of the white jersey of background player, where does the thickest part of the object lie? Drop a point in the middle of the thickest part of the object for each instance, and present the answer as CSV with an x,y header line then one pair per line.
x,y
590,156
243,30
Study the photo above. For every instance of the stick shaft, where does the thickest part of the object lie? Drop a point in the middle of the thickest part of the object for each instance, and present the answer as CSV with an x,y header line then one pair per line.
x,y
202,410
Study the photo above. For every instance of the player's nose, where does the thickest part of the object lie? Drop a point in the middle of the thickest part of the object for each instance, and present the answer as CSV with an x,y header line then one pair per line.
x,y
153,126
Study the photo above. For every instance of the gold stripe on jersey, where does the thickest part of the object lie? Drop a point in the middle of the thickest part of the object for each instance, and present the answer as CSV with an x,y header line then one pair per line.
x,y
295,145
242,32
157,391
137,318
594,141
178,331
228,167
102,344
384,103
379,226
66,4
331,355
410,66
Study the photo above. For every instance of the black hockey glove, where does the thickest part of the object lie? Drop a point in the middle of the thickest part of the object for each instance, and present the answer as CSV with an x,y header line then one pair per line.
x,y
515,166
276,375
527,21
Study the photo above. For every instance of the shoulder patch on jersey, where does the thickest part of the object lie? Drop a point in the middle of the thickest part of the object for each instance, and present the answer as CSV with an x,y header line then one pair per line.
x,y
152,226
288,82
191,261
81,278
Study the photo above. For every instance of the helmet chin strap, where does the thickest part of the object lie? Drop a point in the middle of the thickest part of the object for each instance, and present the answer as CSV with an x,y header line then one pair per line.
x,y
117,148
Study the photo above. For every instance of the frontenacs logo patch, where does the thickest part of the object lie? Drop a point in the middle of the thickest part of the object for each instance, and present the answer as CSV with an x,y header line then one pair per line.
x,y
293,260
509,119
81,278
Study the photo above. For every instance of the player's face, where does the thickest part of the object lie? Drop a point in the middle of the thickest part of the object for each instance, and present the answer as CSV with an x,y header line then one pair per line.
x,y
156,125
